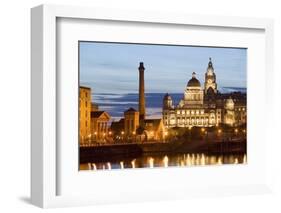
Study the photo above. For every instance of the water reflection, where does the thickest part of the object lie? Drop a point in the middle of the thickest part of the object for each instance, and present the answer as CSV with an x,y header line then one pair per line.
x,y
159,160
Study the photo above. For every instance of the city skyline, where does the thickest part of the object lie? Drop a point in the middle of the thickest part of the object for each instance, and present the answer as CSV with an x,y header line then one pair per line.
x,y
112,67
143,106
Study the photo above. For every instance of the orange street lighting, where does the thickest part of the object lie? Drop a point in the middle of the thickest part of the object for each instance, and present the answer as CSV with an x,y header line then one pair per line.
x,y
122,132
134,132
202,129
236,130
95,133
110,133
219,131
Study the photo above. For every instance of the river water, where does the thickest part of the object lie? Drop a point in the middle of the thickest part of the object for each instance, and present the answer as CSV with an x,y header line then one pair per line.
x,y
165,160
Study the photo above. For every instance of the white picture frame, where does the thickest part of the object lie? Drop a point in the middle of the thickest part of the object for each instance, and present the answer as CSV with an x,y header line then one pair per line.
x,y
45,178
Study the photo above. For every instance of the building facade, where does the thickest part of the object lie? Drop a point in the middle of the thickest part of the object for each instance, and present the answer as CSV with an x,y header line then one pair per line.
x,y
84,113
99,125
131,119
205,106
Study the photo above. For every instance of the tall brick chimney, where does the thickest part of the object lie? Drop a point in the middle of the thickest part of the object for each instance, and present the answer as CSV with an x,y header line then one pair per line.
x,y
141,95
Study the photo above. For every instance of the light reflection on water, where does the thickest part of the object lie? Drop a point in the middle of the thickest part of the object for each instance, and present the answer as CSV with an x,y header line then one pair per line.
x,y
179,160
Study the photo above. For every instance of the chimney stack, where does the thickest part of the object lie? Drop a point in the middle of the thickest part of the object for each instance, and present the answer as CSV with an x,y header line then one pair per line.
x,y
141,95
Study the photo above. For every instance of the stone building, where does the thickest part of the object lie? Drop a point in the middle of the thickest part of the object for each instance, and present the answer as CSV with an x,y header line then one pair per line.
x,y
154,129
131,119
93,124
84,113
205,106
99,125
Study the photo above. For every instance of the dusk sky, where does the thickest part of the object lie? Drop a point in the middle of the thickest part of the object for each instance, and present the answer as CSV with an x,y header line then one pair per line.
x,y
113,67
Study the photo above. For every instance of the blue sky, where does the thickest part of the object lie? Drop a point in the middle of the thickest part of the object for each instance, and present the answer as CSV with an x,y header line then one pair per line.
x,y
113,67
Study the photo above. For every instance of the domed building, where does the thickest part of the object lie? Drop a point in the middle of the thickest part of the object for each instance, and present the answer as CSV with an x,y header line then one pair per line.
x,y
193,94
205,106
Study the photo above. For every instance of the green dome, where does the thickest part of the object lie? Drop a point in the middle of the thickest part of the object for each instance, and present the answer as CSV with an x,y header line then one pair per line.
x,y
193,82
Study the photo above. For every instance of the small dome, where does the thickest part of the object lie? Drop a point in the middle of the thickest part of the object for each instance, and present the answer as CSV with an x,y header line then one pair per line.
x,y
193,82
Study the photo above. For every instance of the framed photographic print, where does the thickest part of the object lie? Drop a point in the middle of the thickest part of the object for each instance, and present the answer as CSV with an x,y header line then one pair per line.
x,y
130,105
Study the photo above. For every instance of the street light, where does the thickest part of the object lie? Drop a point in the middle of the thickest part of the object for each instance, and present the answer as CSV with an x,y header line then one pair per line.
x,y
89,137
122,133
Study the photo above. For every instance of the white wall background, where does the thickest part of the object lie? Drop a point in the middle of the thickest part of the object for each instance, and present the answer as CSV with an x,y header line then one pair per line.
x,y
15,103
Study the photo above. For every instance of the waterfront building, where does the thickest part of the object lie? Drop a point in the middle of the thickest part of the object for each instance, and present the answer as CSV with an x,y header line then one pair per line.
x,y
154,129
117,128
99,125
205,107
131,117
84,113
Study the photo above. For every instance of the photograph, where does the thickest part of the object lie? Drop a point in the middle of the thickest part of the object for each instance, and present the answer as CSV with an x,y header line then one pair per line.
x,y
161,105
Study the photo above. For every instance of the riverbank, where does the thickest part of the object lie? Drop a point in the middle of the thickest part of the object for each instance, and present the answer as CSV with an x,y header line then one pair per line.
x,y
117,151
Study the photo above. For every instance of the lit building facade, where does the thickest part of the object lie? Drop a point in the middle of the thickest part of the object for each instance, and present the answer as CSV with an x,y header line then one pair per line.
x,y
84,113
204,107
99,125
93,124
131,119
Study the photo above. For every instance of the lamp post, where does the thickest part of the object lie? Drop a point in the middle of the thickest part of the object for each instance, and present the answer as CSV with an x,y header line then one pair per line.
x,y
219,133
122,133
134,136
95,136
89,138
203,132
